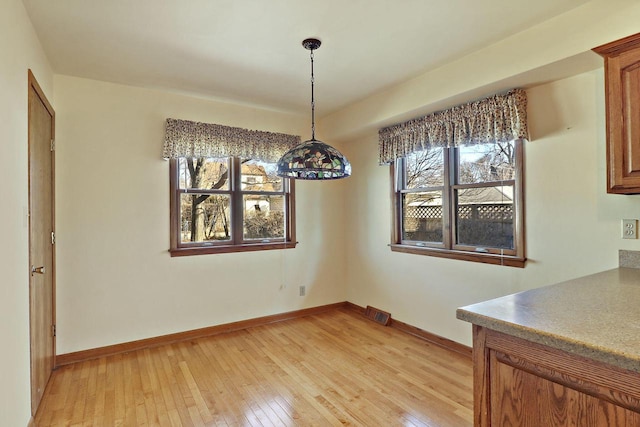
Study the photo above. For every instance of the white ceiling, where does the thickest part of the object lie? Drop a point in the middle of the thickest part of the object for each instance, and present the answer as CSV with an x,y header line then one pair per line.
x,y
250,51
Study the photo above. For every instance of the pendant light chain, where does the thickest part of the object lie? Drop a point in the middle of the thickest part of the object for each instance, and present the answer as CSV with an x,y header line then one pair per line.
x,y
313,159
313,103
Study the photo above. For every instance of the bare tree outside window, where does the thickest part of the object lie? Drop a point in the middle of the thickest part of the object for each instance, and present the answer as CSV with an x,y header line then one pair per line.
x,y
422,203
487,162
204,215
263,213
425,168
484,208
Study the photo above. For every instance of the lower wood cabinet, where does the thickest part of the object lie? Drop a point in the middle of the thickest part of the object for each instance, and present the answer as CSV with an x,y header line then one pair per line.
x,y
521,383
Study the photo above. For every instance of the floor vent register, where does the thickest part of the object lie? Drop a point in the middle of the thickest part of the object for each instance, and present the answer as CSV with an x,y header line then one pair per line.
x,y
378,315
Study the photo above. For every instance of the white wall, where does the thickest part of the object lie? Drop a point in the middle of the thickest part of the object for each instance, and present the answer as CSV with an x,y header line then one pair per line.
x,y
573,227
554,49
21,50
116,280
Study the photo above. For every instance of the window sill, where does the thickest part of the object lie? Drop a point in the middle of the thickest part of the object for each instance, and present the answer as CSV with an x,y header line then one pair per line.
x,y
223,249
509,261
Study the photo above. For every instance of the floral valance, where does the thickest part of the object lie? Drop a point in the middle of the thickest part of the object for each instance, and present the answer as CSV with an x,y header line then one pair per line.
x,y
498,118
184,138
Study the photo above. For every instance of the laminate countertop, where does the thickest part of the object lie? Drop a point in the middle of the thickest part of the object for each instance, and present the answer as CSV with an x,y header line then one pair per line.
x,y
596,316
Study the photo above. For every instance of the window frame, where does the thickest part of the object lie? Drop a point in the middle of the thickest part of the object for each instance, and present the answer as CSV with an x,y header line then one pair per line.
x,y
448,248
235,192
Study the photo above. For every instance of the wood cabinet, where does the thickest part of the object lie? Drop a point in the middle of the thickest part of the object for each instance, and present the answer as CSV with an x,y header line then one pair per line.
x,y
521,383
622,92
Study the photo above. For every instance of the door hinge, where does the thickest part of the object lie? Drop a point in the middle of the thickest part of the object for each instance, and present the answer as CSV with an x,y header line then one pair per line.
x,y
53,330
53,145
53,237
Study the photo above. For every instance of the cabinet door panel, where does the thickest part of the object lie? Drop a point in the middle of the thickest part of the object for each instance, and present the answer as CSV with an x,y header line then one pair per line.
x,y
630,93
519,398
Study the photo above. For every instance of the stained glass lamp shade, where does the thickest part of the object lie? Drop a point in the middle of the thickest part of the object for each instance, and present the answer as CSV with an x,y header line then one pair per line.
x,y
313,159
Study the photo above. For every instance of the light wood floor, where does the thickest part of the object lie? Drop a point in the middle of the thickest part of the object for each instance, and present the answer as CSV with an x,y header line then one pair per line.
x,y
331,369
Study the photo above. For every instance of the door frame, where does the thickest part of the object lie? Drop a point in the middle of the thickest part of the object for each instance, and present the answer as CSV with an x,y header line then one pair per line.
x,y
33,85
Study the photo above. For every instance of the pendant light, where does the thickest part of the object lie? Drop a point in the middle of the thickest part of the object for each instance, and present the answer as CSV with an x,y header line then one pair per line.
x,y
313,159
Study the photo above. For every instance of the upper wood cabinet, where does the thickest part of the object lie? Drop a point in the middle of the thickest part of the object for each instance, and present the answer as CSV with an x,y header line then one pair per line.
x,y
622,92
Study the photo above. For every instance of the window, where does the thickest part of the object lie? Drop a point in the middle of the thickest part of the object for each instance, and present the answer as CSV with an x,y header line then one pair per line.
x,y
229,205
463,203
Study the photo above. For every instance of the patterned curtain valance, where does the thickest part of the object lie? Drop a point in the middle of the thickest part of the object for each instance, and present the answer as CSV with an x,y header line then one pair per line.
x,y
184,138
498,118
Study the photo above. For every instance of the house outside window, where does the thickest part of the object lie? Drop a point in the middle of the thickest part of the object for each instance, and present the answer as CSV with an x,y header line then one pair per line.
x,y
229,205
461,202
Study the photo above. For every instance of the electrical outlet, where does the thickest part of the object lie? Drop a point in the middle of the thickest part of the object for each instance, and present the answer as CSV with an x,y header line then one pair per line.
x,y
303,290
629,228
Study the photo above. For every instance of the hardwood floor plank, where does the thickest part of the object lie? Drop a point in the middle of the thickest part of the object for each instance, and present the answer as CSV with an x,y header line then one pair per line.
x,y
131,382
98,414
329,369
257,392
339,387
284,400
171,416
